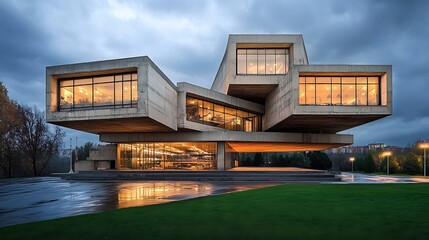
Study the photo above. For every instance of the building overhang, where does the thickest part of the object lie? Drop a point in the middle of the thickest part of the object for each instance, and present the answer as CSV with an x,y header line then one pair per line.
x,y
242,141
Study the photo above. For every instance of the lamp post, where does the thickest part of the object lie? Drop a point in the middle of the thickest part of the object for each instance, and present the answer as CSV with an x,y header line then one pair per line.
x,y
352,159
387,154
424,146
71,157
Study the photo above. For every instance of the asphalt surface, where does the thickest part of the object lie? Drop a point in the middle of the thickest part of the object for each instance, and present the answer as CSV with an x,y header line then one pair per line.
x,y
35,199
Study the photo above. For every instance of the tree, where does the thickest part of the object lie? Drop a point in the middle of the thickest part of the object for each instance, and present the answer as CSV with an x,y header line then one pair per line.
x,y
83,151
319,160
411,164
368,164
9,122
37,142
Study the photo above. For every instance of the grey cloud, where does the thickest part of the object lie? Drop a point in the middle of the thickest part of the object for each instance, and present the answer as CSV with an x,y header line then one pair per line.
x,y
187,40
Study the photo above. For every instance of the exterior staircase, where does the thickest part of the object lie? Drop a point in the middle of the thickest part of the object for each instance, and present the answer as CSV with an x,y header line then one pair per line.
x,y
250,176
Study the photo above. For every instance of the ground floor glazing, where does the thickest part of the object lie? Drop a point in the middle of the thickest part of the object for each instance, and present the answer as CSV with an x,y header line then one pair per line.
x,y
168,155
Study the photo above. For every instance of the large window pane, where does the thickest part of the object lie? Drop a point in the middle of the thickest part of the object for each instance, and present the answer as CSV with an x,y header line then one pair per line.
x,y
103,79
126,93
66,99
302,94
373,94
336,94
103,94
134,92
362,94
280,61
241,62
252,62
348,94
83,81
310,95
261,61
270,61
118,94
323,94
83,96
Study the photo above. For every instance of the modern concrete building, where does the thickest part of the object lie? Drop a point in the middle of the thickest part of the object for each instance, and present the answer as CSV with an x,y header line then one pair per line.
x,y
265,97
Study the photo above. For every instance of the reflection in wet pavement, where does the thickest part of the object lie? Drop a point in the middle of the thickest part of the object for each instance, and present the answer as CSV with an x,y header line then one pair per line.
x,y
35,199
347,177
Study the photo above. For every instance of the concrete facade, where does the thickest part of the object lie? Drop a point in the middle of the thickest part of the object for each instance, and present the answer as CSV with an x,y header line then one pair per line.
x,y
161,113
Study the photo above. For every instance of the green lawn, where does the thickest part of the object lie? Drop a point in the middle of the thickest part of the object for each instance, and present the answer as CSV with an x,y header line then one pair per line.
x,y
298,211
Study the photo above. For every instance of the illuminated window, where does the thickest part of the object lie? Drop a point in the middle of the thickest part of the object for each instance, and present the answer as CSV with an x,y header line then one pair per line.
x,y
360,91
109,91
168,155
262,61
216,115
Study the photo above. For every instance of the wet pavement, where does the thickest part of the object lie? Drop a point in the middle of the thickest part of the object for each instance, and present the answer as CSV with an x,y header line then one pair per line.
x,y
347,177
35,199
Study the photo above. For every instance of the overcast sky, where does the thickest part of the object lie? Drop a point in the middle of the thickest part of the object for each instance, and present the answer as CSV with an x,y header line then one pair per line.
x,y
187,40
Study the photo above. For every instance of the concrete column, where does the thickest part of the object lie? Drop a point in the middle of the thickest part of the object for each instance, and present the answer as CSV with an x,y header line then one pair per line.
x,y
221,156
118,156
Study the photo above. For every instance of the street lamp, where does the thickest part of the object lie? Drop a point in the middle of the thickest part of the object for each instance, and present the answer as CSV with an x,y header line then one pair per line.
x,y
387,154
352,159
424,146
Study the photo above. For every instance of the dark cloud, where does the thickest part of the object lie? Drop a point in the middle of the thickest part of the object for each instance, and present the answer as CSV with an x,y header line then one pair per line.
x,y
187,40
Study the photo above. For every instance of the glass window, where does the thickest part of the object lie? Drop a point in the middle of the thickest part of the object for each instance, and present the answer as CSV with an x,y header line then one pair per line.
x,y
336,94
359,91
373,80
361,80
302,94
348,80
126,77
83,96
280,61
241,61
168,155
310,94
373,94
126,91
103,94
66,99
323,80
209,113
103,79
323,96
118,94
219,108
336,80
134,92
83,81
252,62
261,61
98,92
66,83
348,94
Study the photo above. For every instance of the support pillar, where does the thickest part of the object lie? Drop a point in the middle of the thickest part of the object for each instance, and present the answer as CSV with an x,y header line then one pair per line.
x,y
220,156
